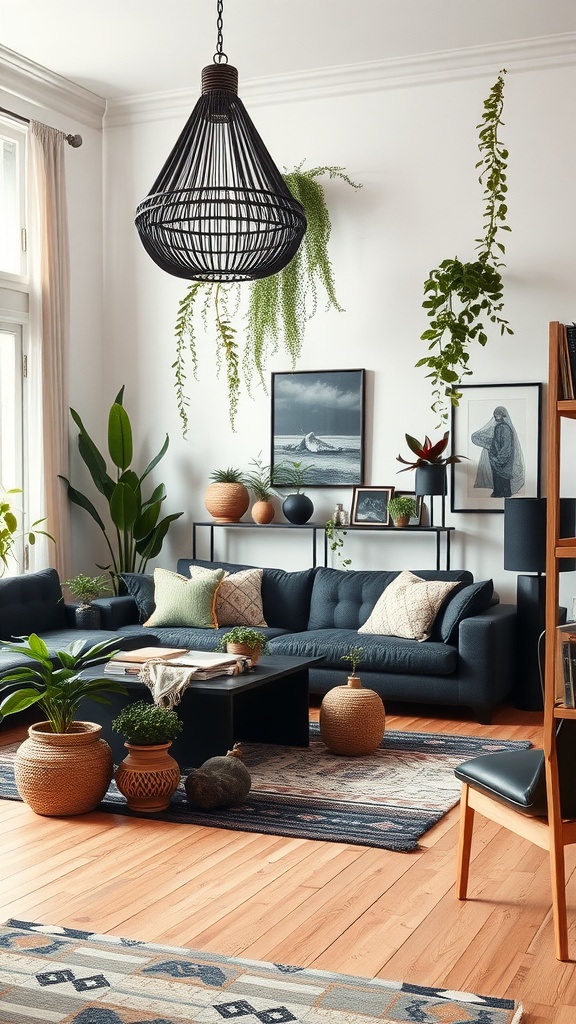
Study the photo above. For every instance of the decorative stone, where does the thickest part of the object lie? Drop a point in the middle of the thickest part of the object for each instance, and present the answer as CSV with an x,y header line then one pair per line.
x,y
219,782
352,719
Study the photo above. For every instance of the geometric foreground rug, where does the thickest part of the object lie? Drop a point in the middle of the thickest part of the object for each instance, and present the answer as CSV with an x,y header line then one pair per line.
x,y
387,799
67,976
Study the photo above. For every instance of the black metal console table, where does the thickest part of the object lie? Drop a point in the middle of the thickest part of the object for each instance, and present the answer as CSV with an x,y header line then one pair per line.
x,y
314,528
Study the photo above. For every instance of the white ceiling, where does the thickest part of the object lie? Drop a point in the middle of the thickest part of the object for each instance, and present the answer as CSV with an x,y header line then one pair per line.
x,y
119,48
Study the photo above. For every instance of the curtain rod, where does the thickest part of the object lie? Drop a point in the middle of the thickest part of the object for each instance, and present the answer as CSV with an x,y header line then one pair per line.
x,y
73,140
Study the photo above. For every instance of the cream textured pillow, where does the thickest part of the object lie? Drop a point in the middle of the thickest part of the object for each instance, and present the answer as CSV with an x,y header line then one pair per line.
x,y
238,598
183,602
408,607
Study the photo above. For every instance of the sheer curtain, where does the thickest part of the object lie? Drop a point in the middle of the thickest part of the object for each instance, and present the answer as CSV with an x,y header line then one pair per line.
x,y
48,402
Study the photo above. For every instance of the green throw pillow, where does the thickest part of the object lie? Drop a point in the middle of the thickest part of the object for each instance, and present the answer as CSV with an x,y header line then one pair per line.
x,y
184,602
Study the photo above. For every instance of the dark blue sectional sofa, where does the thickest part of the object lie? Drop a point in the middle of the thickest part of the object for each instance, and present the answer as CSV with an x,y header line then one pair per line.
x,y
467,662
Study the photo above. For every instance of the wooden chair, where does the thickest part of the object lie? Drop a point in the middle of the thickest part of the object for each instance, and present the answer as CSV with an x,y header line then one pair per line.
x,y
510,788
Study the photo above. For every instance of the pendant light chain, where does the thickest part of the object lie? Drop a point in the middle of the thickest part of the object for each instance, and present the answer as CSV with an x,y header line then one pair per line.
x,y
220,57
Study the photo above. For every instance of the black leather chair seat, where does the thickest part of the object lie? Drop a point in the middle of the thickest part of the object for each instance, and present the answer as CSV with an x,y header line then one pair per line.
x,y
515,778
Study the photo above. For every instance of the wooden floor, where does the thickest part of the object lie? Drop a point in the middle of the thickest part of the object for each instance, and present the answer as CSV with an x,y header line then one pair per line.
x,y
326,905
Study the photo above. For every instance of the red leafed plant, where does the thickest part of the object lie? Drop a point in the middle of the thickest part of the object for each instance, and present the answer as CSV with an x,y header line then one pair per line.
x,y
427,453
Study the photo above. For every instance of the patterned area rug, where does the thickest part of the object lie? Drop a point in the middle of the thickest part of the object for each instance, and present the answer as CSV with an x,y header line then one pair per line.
x,y
74,977
388,799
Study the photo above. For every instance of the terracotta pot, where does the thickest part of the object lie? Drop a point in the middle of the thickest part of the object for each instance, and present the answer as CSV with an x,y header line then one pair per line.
x,y
401,520
62,773
352,719
226,503
263,512
244,651
148,776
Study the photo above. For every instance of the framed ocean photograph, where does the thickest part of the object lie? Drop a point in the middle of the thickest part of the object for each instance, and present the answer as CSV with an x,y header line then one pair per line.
x,y
497,428
318,421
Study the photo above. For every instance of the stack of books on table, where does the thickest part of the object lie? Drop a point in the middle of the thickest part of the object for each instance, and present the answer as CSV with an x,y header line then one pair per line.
x,y
207,665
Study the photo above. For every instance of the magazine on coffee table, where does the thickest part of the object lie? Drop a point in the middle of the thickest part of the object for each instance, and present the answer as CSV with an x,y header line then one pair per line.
x,y
207,664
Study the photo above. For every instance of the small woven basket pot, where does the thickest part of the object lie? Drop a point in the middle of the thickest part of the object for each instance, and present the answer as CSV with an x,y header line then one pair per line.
x,y
244,651
226,502
62,773
352,719
148,777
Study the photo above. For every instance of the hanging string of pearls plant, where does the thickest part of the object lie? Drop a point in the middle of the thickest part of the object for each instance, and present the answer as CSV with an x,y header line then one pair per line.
x,y
278,308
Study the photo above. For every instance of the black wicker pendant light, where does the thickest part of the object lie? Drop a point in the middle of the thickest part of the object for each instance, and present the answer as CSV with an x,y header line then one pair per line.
x,y
219,210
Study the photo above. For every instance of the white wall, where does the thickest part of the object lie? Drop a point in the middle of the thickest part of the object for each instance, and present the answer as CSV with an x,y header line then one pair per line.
x,y
412,143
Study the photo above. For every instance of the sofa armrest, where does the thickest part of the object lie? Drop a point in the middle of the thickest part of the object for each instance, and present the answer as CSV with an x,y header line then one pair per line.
x,y
116,612
486,653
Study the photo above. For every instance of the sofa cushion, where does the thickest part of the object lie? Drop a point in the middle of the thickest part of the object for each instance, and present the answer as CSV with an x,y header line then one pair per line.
x,y
31,603
464,602
140,586
378,654
191,637
408,607
238,598
181,601
346,599
285,595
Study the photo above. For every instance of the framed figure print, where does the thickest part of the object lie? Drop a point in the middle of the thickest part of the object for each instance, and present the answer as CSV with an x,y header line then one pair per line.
x,y
318,421
497,428
370,506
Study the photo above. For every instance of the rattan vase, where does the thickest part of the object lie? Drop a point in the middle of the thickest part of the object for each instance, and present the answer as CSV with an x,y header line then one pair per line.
x,y
244,651
352,719
148,776
226,502
63,773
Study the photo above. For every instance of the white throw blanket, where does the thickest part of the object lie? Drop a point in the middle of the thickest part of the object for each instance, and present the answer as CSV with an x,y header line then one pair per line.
x,y
166,682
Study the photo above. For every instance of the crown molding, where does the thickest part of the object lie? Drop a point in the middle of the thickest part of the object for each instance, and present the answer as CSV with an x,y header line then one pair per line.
x,y
41,88
538,53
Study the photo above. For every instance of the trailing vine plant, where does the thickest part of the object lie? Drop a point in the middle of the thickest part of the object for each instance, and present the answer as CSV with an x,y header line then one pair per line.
x,y
460,297
278,306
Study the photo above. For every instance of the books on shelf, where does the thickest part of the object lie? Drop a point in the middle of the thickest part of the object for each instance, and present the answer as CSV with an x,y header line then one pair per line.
x,y
569,668
567,353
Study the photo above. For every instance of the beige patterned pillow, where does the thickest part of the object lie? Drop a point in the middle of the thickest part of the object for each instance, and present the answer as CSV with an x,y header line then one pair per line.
x,y
408,607
239,597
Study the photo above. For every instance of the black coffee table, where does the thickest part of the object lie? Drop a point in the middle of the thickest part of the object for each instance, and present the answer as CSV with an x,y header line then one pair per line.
x,y
266,705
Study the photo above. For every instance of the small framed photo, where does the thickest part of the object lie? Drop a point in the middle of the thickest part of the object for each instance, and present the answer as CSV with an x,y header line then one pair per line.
x,y
497,428
417,519
370,506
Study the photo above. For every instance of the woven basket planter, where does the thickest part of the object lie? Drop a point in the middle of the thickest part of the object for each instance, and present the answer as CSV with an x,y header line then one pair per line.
x,y
63,773
226,502
352,719
244,651
148,776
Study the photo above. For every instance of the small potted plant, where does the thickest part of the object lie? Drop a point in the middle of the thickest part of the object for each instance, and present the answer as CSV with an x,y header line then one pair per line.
x,y
259,481
148,776
401,508
430,464
227,497
297,507
352,717
86,589
243,640
64,767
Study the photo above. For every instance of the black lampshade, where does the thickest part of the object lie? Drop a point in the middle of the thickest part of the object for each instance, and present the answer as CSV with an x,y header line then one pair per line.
x,y
220,210
525,533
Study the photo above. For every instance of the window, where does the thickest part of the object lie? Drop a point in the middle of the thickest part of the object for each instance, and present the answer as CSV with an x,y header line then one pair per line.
x,y
12,194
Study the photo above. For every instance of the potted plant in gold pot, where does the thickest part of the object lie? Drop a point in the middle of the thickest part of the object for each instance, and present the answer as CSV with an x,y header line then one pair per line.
x,y
148,776
64,767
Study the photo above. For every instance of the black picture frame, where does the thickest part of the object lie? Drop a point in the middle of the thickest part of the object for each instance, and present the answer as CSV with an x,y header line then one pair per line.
x,y
321,410
482,481
370,506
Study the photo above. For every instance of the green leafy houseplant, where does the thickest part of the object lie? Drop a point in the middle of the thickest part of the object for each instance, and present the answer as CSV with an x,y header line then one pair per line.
x,y
87,588
259,480
292,475
10,533
144,724
227,476
278,306
138,534
55,686
246,636
402,506
353,658
428,453
460,297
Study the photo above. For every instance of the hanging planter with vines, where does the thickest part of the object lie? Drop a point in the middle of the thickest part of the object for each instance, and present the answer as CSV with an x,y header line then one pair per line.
x,y
278,306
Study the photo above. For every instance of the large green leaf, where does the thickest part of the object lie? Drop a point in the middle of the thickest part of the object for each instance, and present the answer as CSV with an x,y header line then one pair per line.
x,y
83,502
146,521
119,436
151,546
124,507
91,456
19,701
156,459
